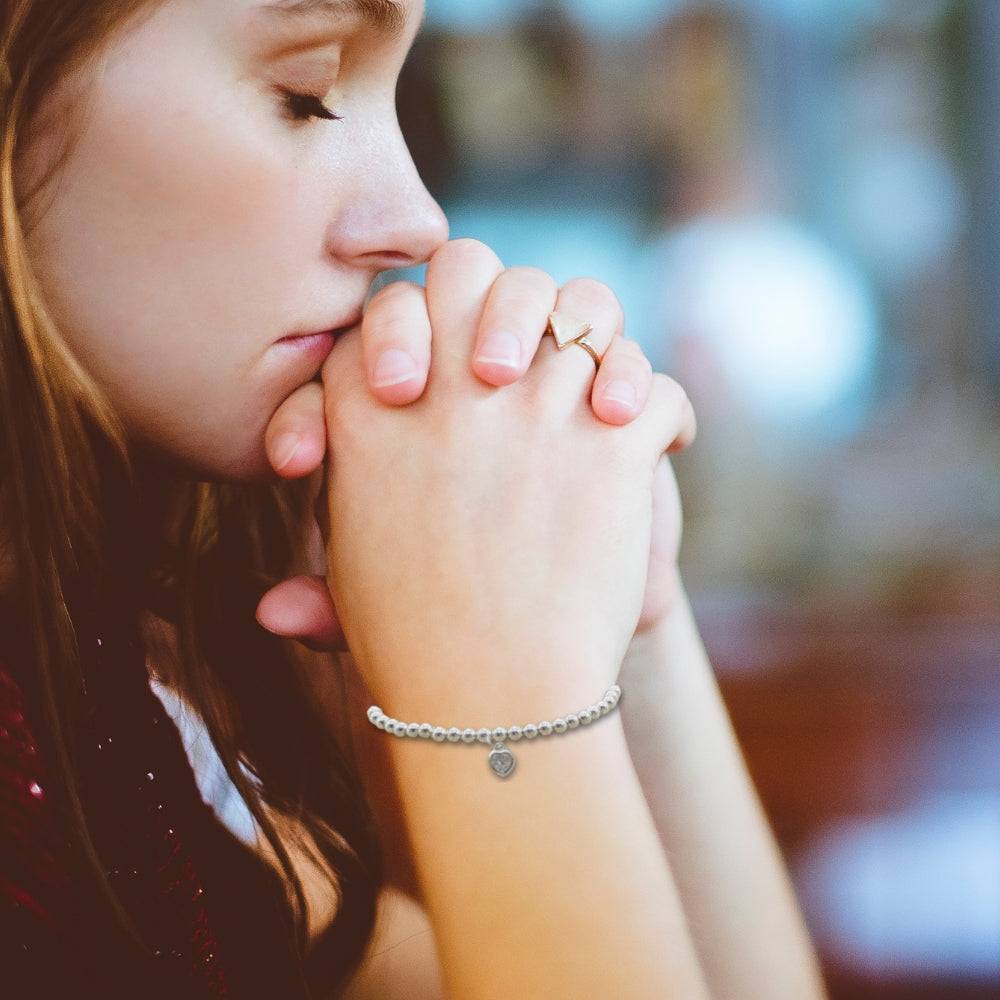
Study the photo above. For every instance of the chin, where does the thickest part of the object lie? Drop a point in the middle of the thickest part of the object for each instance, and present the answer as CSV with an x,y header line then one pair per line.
x,y
251,467
247,465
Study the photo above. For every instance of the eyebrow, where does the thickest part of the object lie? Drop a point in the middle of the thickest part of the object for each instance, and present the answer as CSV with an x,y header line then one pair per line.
x,y
385,15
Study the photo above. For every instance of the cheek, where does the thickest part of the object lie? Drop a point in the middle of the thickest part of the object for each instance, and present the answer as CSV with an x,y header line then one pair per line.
x,y
192,223
174,249
170,275
201,199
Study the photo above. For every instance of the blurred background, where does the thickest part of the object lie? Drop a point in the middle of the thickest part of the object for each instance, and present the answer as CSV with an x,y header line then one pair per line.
x,y
798,202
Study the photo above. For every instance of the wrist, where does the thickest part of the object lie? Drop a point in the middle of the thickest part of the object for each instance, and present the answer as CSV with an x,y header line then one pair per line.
x,y
487,685
501,739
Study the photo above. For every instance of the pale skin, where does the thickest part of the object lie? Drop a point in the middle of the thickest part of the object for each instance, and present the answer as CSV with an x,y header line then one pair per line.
x,y
727,925
504,526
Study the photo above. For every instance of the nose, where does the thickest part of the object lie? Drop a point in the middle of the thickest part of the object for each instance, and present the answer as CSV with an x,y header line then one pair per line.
x,y
390,220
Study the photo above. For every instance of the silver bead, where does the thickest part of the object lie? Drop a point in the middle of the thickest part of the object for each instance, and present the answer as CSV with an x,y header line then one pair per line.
x,y
498,736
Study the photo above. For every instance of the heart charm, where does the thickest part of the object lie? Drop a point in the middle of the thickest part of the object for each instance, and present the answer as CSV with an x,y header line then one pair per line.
x,y
502,761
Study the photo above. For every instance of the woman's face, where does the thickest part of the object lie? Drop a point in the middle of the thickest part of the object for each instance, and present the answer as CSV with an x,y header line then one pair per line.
x,y
212,226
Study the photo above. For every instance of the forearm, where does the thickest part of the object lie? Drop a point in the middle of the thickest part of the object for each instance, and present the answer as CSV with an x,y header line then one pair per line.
x,y
470,591
744,919
551,883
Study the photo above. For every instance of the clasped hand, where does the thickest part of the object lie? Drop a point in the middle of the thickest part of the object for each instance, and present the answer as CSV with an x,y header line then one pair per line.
x,y
476,501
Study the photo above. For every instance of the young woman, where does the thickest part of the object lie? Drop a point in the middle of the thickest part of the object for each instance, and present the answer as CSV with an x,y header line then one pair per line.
x,y
196,198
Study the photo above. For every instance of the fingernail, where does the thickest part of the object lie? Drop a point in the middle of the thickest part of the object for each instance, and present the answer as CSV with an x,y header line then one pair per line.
x,y
500,348
284,449
393,367
620,391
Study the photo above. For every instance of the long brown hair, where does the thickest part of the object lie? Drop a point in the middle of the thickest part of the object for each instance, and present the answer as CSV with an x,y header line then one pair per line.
x,y
197,554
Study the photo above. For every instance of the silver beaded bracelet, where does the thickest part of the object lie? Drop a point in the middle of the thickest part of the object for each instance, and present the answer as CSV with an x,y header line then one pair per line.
x,y
501,760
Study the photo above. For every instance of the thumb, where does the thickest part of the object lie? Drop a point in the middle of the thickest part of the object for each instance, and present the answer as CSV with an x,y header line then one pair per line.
x,y
301,608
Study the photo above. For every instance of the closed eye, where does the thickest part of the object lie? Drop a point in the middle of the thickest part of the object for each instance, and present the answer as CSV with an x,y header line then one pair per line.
x,y
303,107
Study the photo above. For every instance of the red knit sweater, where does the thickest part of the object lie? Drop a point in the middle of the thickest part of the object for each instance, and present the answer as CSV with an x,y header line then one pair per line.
x,y
222,936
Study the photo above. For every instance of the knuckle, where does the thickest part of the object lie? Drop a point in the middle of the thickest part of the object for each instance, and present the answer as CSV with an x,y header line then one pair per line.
x,y
664,390
465,244
392,312
627,358
670,387
690,414
464,265
632,350
532,279
675,395
521,295
460,250
593,294
393,294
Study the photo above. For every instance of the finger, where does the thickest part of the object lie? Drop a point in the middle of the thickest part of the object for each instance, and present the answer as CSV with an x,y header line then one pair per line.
x,y
459,278
295,438
513,321
594,303
302,609
662,577
622,385
397,343
671,414
687,420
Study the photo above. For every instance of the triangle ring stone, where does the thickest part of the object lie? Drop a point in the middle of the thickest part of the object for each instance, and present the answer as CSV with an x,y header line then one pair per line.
x,y
568,330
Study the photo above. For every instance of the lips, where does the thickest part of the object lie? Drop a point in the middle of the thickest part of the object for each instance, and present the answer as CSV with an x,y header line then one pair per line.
x,y
319,339
314,345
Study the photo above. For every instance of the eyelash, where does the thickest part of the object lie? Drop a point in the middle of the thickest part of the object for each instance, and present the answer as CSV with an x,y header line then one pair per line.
x,y
304,107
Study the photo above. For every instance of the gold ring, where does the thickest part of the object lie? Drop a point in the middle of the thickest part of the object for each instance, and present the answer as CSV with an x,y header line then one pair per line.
x,y
568,330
